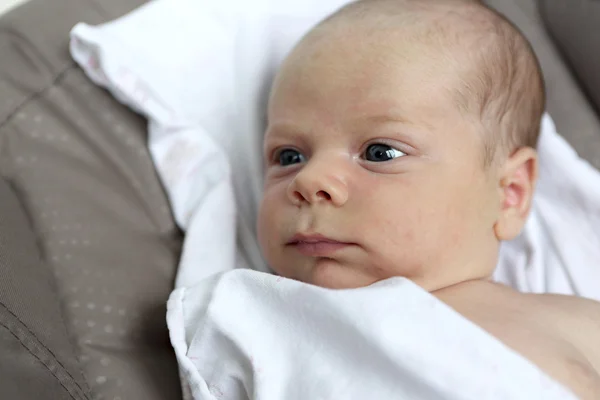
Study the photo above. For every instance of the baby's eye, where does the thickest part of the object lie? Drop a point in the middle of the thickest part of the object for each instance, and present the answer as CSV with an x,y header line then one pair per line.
x,y
289,157
381,152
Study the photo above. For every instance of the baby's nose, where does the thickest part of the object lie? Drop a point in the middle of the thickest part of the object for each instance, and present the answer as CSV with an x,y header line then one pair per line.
x,y
318,184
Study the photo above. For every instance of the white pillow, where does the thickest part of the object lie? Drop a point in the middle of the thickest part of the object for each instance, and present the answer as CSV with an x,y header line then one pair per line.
x,y
201,70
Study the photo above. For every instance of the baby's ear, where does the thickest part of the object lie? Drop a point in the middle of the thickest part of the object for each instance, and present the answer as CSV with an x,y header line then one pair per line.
x,y
518,177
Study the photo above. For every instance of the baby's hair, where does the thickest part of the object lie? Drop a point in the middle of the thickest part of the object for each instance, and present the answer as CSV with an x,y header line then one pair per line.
x,y
501,85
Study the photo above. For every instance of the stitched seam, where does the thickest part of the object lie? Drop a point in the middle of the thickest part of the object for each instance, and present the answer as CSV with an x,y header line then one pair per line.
x,y
37,94
41,362
26,328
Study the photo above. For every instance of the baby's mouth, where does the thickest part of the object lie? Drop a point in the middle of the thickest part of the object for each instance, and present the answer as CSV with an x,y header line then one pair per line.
x,y
316,245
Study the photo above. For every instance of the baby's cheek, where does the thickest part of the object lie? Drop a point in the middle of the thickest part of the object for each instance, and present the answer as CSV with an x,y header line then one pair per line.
x,y
268,241
397,229
266,223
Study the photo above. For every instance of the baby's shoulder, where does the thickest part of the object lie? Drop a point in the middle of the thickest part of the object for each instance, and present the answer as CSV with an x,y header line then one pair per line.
x,y
558,333
565,323
570,312
576,318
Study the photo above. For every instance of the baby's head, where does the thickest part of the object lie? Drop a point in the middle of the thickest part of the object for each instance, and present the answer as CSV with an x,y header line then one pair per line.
x,y
400,143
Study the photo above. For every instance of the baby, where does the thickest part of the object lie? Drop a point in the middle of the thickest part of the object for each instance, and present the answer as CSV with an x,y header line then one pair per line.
x,y
401,142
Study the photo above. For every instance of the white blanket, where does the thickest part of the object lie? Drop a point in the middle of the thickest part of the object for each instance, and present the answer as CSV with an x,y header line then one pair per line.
x,y
200,72
251,335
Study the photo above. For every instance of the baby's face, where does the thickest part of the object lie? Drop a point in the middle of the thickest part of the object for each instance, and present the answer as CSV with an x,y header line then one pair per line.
x,y
372,172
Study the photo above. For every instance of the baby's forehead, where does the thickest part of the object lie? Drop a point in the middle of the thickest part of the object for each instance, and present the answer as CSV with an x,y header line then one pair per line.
x,y
458,23
444,37
383,70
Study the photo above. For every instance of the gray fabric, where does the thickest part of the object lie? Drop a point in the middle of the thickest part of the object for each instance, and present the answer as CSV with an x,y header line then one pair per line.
x,y
80,164
36,356
575,27
575,118
26,374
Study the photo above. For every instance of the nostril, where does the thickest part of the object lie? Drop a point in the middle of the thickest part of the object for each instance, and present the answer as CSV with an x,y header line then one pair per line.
x,y
323,195
298,196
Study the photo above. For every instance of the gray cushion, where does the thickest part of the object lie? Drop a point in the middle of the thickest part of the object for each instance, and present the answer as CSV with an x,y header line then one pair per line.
x,y
575,118
80,164
37,360
575,27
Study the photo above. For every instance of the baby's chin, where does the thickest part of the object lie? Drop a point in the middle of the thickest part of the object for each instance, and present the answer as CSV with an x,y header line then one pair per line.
x,y
329,273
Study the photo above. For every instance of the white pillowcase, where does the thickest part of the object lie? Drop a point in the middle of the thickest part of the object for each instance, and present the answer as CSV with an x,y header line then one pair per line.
x,y
197,65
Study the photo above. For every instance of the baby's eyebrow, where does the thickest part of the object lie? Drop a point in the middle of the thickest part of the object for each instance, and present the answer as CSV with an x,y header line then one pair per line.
x,y
394,117
385,118
283,132
414,133
283,128
280,133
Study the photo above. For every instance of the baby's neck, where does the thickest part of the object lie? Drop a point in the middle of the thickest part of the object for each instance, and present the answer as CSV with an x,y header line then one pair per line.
x,y
461,285
475,287
437,283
